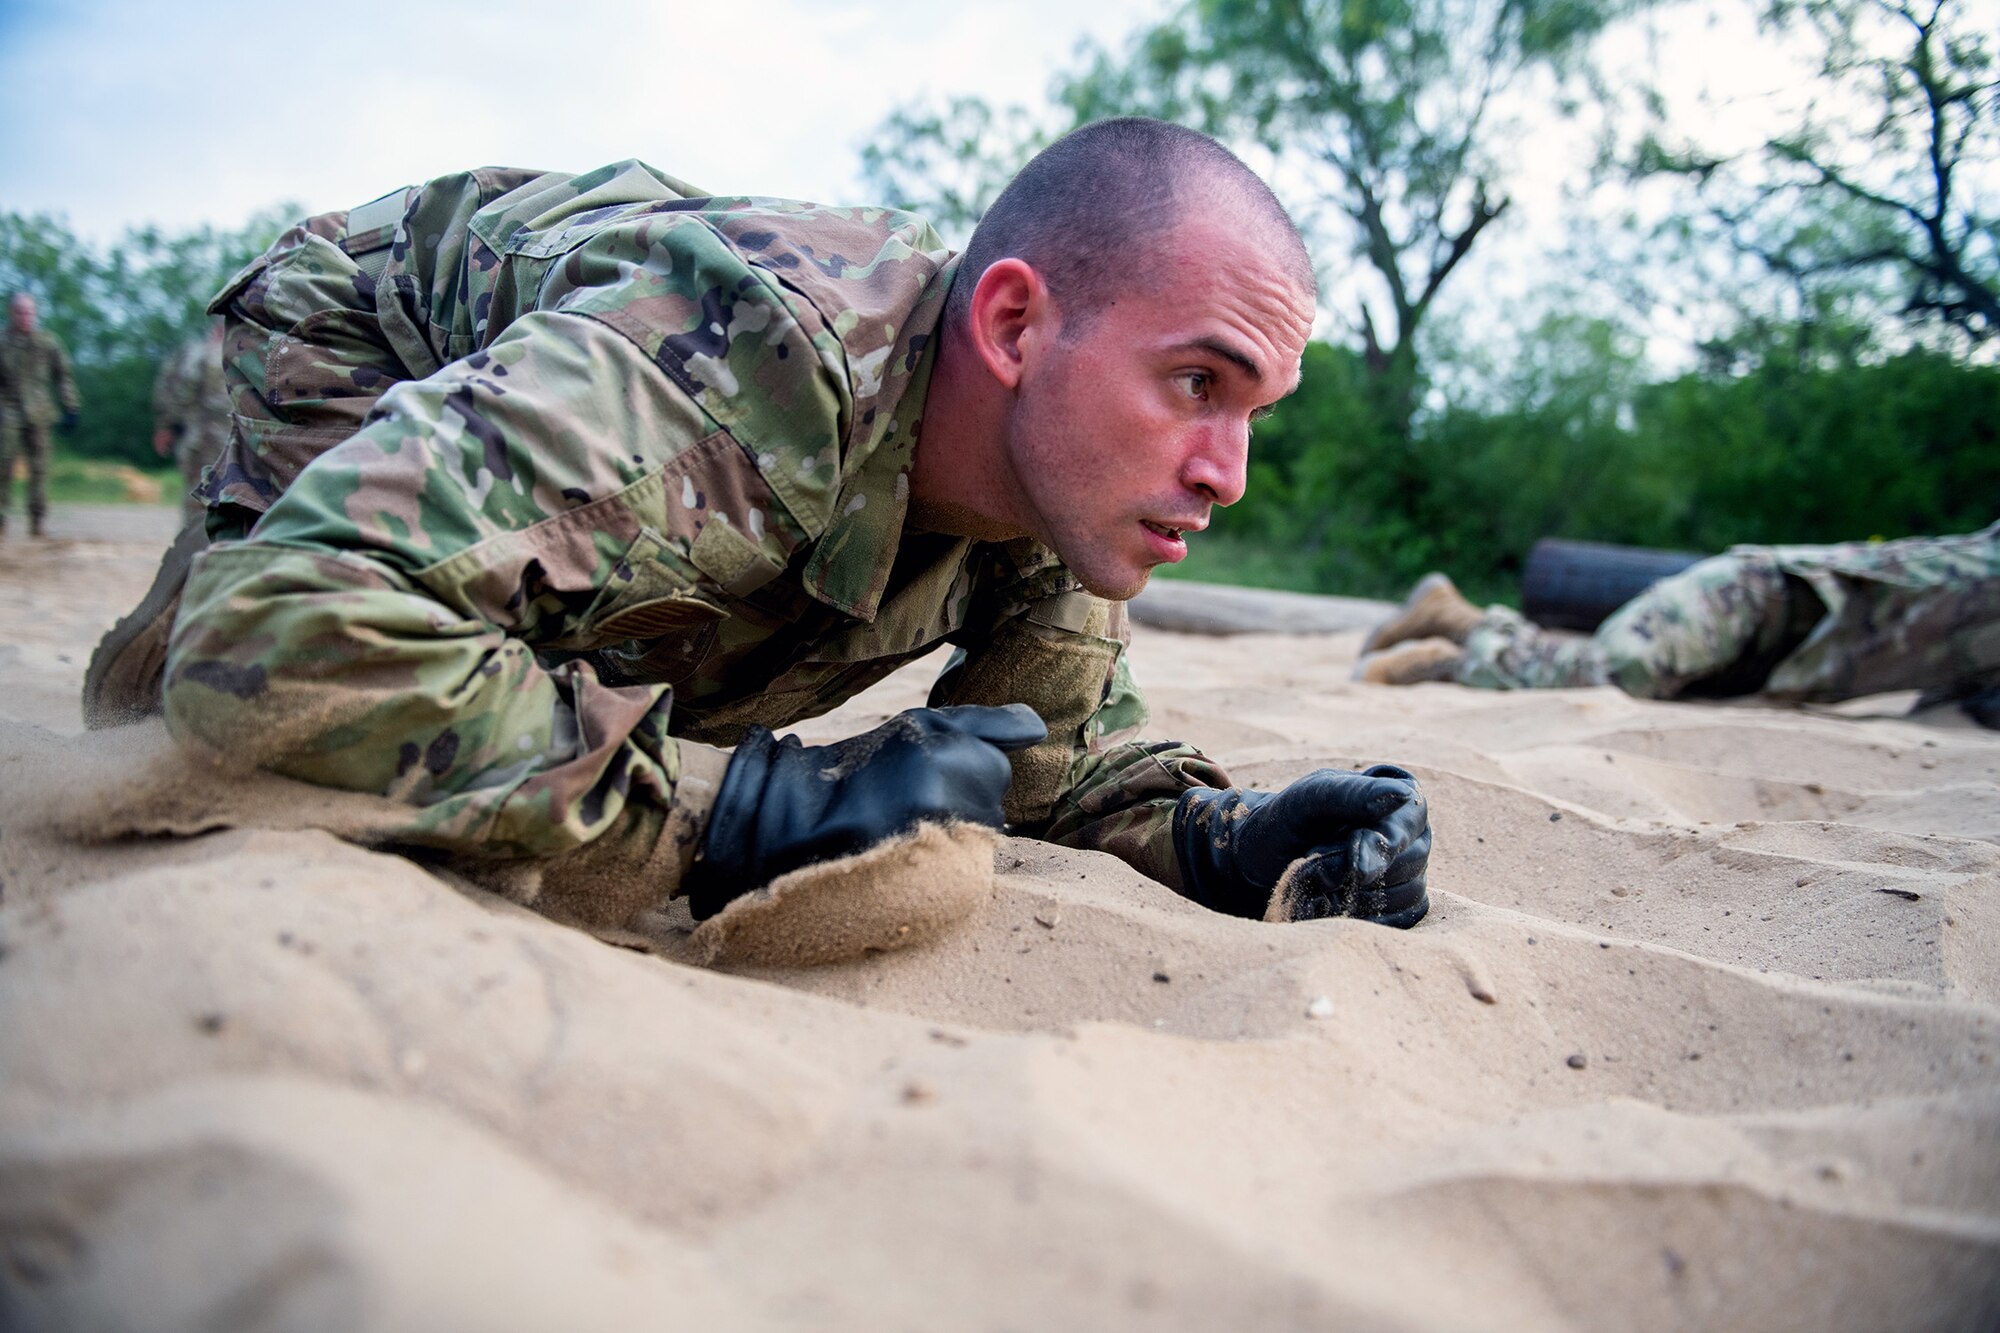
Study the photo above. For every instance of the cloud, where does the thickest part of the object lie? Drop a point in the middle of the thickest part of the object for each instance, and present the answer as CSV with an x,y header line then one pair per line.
x,y
118,112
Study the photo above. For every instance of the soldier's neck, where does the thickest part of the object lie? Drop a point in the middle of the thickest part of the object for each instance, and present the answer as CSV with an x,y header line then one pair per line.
x,y
958,480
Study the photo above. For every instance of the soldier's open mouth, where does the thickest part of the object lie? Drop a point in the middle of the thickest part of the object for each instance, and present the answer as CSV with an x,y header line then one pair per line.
x,y
1171,534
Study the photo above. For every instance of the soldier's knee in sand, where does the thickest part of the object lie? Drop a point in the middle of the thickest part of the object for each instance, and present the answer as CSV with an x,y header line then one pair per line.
x,y
123,682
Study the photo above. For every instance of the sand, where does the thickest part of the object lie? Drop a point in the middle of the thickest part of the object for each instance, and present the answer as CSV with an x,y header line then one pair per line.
x,y
1701,1033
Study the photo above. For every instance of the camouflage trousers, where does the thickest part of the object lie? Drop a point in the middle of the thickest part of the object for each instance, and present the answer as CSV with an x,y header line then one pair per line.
x,y
1805,623
18,435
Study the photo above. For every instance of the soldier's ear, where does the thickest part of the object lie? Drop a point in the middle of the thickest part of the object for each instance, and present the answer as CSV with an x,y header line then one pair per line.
x,y
1011,319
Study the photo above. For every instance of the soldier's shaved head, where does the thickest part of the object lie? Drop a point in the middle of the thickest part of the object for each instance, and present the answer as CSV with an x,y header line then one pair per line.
x,y
1084,209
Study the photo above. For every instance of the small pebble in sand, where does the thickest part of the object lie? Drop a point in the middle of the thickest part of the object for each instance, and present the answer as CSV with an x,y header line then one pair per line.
x,y
1161,977
916,1092
1047,920
1321,1007
1577,1061
1555,816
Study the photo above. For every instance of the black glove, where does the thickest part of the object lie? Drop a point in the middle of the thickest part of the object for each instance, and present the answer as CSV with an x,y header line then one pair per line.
x,y
784,805
68,422
1366,838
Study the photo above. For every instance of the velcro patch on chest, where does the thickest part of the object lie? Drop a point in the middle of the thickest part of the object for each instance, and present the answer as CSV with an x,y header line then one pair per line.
x,y
733,560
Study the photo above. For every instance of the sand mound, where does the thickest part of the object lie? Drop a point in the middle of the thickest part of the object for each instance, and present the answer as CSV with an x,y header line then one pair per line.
x,y
906,891
1703,1030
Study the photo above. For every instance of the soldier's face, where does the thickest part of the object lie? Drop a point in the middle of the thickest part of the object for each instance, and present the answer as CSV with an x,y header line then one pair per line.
x,y
1126,434
21,313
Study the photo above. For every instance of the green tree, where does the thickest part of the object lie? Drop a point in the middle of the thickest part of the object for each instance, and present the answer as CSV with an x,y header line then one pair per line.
x,y
948,163
1888,178
1822,447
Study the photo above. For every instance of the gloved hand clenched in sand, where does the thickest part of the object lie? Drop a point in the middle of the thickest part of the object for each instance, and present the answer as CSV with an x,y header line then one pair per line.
x,y
1333,843
783,805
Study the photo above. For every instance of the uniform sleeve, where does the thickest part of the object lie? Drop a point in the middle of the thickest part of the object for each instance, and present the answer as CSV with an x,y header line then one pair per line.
x,y
413,616
65,382
164,415
163,387
1092,784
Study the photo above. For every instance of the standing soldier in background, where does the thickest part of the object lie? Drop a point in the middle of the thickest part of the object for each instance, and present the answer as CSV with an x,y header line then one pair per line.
x,y
31,361
191,412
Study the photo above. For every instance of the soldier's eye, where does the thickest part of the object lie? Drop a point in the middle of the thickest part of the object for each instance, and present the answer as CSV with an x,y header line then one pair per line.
x,y
1196,383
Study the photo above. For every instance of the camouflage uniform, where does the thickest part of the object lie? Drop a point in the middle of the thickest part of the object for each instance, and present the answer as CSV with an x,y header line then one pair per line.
x,y
1804,623
30,364
603,471
191,405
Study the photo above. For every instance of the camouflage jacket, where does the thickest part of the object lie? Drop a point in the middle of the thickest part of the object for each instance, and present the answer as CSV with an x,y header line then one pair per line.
x,y
1920,612
559,474
31,364
189,400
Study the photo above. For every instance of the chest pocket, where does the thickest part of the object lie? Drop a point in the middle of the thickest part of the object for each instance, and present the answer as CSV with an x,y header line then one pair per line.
x,y
829,664
653,618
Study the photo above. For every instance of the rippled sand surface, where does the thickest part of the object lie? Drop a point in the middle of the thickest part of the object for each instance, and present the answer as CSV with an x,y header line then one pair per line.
x,y
1701,1032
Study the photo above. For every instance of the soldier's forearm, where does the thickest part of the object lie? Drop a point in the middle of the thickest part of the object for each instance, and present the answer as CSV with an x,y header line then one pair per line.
x,y
331,668
1122,802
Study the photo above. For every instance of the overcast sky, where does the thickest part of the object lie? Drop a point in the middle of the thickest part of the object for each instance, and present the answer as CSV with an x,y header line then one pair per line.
x,y
118,112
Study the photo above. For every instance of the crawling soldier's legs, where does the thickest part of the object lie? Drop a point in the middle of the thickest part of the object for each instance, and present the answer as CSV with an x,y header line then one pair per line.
x,y
1716,629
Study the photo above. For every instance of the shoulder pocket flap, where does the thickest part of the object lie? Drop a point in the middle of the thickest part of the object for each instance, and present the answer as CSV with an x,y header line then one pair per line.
x,y
219,303
531,244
